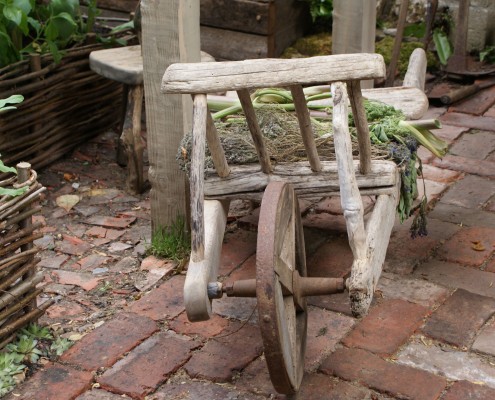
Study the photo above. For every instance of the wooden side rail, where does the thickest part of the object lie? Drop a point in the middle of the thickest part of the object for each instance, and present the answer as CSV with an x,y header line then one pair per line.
x,y
251,74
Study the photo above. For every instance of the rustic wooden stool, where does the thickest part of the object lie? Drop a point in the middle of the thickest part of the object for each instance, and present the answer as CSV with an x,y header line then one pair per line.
x,y
125,65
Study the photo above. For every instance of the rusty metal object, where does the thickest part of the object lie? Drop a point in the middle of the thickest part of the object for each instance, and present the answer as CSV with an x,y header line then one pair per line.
x,y
282,318
460,63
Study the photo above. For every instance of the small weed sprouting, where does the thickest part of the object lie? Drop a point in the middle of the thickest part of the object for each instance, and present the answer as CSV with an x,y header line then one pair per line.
x,y
32,343
171,242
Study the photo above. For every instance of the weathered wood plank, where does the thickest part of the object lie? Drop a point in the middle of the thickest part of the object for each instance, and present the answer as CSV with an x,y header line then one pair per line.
x,y
365,275
235,75
119,5
226,45
410,100
239,15
199,274
363,133
304,120
216,149
254,128
200,111
352,205
170,31
244,179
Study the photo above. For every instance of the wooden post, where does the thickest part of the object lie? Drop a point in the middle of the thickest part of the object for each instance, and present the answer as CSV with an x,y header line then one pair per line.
x,y
170,31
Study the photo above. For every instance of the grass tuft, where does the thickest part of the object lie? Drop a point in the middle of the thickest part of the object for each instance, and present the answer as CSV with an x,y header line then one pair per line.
x,y
172,242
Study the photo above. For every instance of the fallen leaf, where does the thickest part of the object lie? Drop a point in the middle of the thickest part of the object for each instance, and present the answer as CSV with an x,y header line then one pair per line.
x,y
478,246
67,201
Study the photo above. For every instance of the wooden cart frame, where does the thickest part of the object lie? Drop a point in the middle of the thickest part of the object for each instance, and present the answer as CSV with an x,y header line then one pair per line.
x,y
281,283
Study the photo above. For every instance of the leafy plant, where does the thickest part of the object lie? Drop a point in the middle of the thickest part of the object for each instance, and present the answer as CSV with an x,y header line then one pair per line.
x,y
171,242
320,8
14,99
32,343
488,54
31,26
442,45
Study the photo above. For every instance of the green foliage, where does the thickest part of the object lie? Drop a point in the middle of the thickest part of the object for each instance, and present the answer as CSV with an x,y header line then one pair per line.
x,y
30,26
171,242
415,30
442,45
321,9
14,99
488,54
32,343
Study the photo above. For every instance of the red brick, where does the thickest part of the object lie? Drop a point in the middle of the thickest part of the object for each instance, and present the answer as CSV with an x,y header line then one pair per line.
x,y
64,310
107,343
490,112
486,338
470,192
333,259
84,280
110,222
475,144
149,364
323,387
114,234
470,246
96,231
476,105
464,390
386,327
376,373
458,320
222,356
461,216
195,390
163,302
206,329
151,262
92,261
425,155
255,378
237,248
53,262
98,394
325,330
54,382
468,165
338,302
439,174
469,121
72,245
490,266
449,133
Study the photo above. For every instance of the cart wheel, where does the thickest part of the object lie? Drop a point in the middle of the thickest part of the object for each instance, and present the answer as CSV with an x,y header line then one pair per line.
x,y
282,316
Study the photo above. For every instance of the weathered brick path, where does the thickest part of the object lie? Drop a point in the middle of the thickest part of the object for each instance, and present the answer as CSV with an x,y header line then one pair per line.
x,y
430,333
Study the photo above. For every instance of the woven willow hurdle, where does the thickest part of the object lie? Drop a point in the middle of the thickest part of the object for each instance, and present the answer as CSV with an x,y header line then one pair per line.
x,y
18,261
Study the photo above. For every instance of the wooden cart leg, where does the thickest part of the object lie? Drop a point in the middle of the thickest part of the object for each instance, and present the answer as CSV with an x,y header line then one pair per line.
x,y
200,273
131,137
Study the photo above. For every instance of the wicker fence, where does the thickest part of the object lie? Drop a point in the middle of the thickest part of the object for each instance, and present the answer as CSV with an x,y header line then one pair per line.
x,y
65,104
18,261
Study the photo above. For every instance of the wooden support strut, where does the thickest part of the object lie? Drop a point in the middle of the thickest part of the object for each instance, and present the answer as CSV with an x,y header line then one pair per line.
x,y
304,119
200,110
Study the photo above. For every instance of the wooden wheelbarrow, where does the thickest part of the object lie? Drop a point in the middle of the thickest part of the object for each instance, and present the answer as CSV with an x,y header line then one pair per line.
x,y
281,284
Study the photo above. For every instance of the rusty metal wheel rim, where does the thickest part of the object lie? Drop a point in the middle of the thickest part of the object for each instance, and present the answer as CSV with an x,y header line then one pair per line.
x,y
283,323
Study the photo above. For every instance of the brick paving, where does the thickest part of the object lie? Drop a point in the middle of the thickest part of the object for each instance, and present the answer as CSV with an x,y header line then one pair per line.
x,y
429,333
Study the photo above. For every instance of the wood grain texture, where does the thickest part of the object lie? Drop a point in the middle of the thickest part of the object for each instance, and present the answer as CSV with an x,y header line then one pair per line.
x,y
170,31
236,75
304,120
350,198
245,179
196,178
216,149
254,128
121,64
363,133
199,274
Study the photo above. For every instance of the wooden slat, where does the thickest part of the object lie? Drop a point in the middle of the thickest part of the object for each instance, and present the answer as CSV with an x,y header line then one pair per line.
x,y
304,120
352,205
200,110
410,100
216,149
254,128
235,75
363,132
244,179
